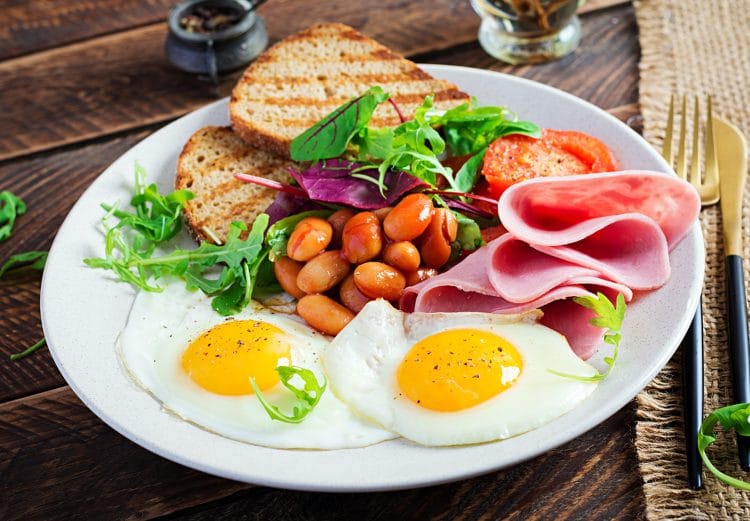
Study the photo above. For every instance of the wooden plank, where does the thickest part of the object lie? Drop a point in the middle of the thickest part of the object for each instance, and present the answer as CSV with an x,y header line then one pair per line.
x,y
124,81
58,461
49,184
27,27
597,5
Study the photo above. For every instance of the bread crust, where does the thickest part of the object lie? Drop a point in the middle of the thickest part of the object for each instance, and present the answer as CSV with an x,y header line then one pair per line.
x,y
206,166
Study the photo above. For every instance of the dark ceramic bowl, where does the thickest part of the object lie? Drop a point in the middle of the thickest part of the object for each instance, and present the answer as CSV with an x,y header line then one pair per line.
x,y
216,52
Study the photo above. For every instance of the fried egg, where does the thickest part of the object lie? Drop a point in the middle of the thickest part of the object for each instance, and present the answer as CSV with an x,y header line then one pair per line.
x,y
454,378
199,364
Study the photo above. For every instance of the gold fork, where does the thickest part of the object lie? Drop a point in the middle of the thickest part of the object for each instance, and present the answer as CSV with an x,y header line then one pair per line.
x,y
708,184
692,345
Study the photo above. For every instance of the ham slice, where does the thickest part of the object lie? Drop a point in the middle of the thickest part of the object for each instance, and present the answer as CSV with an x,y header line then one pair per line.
x,y
569,236
553,211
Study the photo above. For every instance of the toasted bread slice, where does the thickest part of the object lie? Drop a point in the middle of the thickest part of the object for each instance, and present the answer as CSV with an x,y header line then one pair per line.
x,y
207,166
304,77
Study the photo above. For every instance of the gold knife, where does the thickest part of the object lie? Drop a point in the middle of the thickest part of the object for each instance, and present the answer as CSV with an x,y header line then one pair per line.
x,y
731,151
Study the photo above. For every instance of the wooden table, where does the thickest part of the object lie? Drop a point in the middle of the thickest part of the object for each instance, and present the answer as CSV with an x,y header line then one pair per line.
x,y
82,81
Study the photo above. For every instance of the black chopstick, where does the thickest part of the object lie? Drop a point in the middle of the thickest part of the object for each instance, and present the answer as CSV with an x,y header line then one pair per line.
x,y
692,395
738,345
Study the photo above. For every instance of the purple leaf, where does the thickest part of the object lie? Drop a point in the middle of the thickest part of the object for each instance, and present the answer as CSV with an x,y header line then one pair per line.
x,y
330,181
286,204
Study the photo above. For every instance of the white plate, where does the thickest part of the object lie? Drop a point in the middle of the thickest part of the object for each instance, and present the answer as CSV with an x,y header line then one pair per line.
x,y
84,309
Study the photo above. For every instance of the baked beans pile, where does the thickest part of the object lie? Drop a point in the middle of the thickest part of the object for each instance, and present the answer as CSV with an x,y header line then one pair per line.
x,y
335,266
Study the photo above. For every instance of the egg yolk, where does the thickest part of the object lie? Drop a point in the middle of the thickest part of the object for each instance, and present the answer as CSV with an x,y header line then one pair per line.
x,y
223,359
458,369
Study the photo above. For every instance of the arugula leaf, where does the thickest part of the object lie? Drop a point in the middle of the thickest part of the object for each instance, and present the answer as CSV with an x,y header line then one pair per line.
x,y
330,136
34,260
307,396
11,206
415,147
29,350
279,232
608,316
467,130
732,417
227,272
156,217
374,143
466,177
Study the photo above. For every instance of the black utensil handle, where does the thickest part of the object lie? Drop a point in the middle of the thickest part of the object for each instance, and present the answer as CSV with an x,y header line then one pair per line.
x,y
738,345
692,395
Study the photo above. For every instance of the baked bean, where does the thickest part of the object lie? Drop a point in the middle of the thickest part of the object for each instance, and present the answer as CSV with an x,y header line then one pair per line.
x,y
286,270
362,239
324,314
378,280
414,277
323,272
337,220
382,213
311,236
409,218
436,241
350,295
402,255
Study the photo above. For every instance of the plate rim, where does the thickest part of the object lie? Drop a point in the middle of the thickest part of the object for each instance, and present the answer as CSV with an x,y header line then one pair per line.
x,y
395,482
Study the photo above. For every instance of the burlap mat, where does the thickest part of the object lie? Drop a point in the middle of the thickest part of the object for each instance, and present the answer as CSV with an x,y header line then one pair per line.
x,y
695,47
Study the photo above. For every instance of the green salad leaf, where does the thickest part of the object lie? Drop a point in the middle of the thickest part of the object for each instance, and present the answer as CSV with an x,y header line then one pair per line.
x,y
466,177
11,206
609,317
228,271
732,417
237,261
413,147
330,136
157,217
467,130
307,396
34,260
29,350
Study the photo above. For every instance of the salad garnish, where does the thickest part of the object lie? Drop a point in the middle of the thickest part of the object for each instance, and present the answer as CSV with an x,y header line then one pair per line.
x,y
228,272
308,395
330,136
732,417
29,350
11,206
34,260
414,146
608,317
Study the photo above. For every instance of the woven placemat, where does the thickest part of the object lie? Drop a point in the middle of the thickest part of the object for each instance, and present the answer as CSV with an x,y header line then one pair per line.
x,y
697,47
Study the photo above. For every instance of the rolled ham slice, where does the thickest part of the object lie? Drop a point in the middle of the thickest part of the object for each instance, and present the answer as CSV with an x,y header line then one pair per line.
x,y
514,264
567,237
555,211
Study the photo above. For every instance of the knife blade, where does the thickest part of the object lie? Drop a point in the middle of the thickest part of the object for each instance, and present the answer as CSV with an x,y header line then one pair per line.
x,y
731,151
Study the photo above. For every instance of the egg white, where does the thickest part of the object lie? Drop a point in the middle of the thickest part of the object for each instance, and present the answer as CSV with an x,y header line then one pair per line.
x,y
159,328
362,363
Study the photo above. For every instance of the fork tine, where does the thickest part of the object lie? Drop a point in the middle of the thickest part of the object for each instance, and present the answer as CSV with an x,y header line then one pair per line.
x,y
710,190
666,148
695,157
681,168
